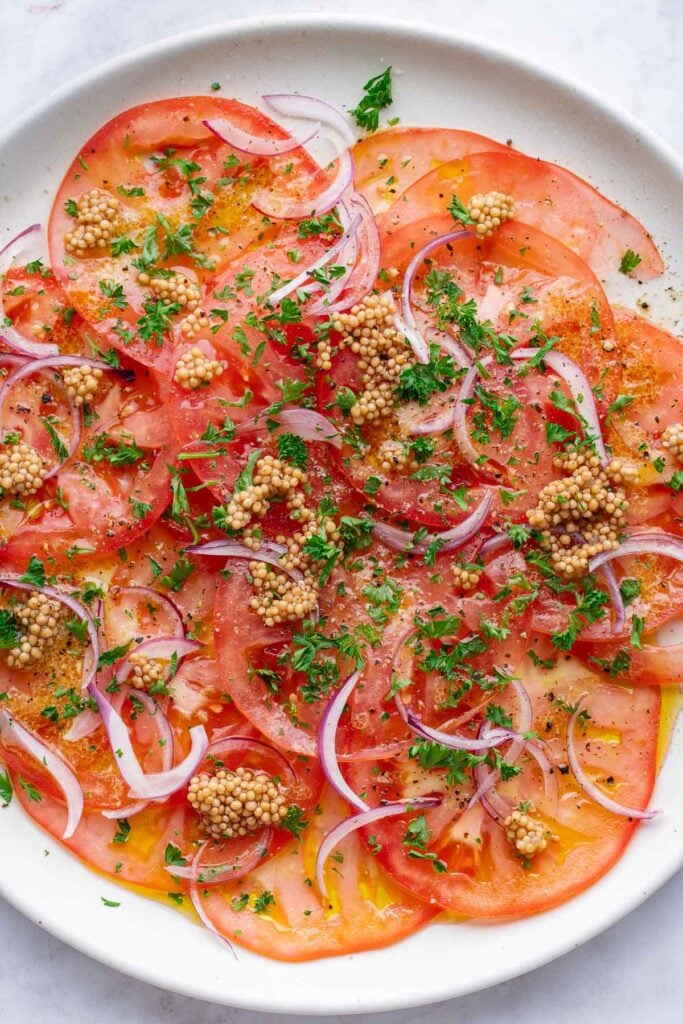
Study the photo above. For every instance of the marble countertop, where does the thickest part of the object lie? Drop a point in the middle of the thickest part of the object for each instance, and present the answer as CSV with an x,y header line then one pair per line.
x,y
631,52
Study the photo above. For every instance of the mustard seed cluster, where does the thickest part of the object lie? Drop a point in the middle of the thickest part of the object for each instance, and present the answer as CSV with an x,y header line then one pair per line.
x,y
279,598
22,470
82,383
98,215
195,369
40,620
146,671
489,210
525,833
672,440
368,331
176,288
231,804
193,324
272,478
584,512
465,577
395,456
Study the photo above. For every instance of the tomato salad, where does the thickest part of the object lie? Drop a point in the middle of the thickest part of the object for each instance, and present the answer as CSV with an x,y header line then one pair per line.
x,y
340,510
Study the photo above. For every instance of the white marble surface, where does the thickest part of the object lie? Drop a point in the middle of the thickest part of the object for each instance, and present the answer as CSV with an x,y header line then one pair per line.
x,y
631,51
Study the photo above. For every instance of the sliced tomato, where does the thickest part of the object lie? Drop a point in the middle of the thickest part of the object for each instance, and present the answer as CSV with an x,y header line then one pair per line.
x,y
483,876
160,160
39,309
366,910
546,196
98,501
388,162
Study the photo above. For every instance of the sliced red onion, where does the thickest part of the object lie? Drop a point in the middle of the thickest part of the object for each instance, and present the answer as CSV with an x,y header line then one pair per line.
x,y
197,903
414,338
161,600
13,338
588,786
487,779
500,540
412,268
364,274
581,391
666,544
348,257
298,209
167,743
84,724
455,537
162,647
60,772
156,785
348,825
307,423
256,145
437,425
447,739
495,805
38,366
268,552
451,345
327,744
231,871
89,662
460,431
322,261
309,108
617,600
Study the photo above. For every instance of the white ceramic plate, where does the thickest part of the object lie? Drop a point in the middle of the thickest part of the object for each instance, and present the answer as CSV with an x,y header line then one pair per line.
x,y
442,80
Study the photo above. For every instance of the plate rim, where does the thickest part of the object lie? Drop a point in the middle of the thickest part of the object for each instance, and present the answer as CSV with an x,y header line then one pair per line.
x,y
406,29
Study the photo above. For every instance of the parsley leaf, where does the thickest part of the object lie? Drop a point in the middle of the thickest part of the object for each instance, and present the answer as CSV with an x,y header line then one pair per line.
x,y
377,96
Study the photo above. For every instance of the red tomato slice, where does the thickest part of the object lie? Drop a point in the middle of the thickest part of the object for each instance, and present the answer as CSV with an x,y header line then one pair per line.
x,y
113,488
483,876
155,160
38,307
546,196
366,909
388,162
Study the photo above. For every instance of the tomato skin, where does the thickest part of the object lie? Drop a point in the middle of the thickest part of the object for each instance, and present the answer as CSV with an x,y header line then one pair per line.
x,y
367,911
35,301
546,196
484,878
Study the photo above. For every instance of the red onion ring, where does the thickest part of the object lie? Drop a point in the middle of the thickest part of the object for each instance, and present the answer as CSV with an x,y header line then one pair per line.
x,y
526,718
327,744
13,338
151,595
588,786
666,544
460,432
196,901
617,600
307,423
447,739
229,872
38,366
12,580
268,552
500,540
163,647
455,537
414,338
84,724
298,209
159,784
322,261
450,344
348,825
167,744
227,743
256,145
364,274
60,772
348,257
309,108
581,392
